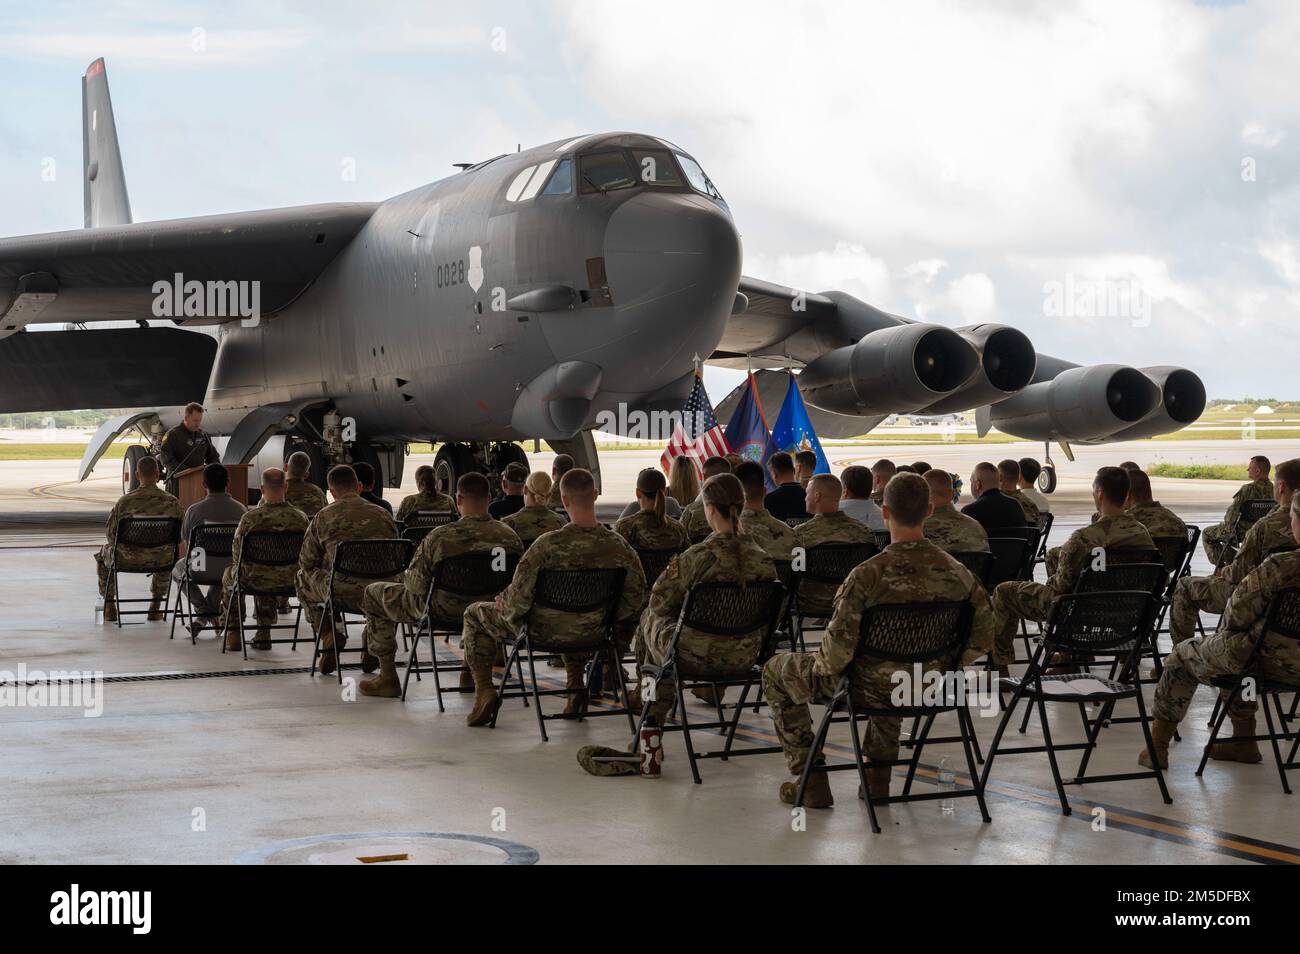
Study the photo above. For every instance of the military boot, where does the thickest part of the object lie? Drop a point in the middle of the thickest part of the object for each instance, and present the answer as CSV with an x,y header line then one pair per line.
x,y
110,611
282,605
369,662
485,696
575,686
262,638
466,678
386,684
817,794
234,640
1161,734
1230,750
878,778
156,612
328,658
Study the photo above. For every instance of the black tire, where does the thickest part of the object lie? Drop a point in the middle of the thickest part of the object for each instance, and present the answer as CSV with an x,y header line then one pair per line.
x,y
1047,479
452,462
129,461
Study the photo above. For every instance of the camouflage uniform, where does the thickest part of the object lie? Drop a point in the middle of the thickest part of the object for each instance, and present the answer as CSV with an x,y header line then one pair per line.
x,y
571,547
144,501
713,561
816,597
1016,600
304,495
1196,661
1216,537
387,604
350,518
1211,593
1160,521
773,535
266,516
434,501
1030,508
951,530
642,533
694,520
529,523
911,572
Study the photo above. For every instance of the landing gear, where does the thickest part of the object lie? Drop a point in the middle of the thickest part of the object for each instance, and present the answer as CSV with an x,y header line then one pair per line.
x,y
1047,477
129,461
454,460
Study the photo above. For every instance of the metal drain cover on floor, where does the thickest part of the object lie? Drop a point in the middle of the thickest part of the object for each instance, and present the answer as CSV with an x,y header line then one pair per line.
x,y
392,847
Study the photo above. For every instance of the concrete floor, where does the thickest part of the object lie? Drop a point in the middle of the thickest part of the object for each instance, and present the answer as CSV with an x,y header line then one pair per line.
x,y
222,768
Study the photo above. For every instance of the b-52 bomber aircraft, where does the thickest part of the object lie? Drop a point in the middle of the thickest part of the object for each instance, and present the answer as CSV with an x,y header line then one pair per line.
x,y
526,297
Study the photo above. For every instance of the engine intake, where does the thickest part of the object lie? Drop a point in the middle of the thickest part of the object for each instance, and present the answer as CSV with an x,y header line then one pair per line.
x,y
1182,401
1006,365
892,370
1079,404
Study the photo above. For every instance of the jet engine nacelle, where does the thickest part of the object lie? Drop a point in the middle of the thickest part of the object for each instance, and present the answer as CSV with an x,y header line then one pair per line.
x,y
1079,404
892,370
1006,365
1182,400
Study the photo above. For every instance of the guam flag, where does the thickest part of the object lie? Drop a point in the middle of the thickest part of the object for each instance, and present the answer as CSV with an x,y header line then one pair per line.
x,y
794,432
747,430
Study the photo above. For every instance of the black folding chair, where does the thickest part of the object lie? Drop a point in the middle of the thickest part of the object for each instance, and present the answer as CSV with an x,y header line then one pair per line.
x,y
417,525
274,549
208,541
1176,554
1009,556
793,522
162,534
575,593
372,560
827,564
882,538
715,610
1282,624
1252,511
467,578
1104,623
909,635
980,563
654,562
1148,576
1031,536
1045,521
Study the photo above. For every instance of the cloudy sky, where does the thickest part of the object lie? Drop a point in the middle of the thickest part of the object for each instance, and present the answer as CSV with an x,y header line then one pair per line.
x,y
1117,179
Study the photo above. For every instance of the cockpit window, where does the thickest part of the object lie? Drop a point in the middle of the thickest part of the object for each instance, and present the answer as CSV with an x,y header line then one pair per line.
x,y
696,177
606,171
656,167
562,181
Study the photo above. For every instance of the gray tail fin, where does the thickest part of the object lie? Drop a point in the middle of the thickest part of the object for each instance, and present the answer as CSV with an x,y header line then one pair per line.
x,y
105,182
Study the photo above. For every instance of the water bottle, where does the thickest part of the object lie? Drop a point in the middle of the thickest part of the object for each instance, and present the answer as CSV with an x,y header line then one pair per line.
x,y
99,611
652,748
947,784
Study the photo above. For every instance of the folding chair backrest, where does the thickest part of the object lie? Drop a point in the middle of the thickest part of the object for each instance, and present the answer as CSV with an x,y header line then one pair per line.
x,y
271,547
1251,512
723,608
914,632
138,531
1173,552
415,535
430,518
1031,536
654,562
579,591
372,559
1283,619
215,540
474,575
1045,521
979,562
785,573
882,538
1100,623
1009,558
832,562
793,522
1148,577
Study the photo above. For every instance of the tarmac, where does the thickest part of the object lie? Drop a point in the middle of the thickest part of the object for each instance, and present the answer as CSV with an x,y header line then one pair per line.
x,y
199,756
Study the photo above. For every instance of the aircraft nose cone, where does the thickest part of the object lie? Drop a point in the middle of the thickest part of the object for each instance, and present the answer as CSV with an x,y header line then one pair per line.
x,y
673,264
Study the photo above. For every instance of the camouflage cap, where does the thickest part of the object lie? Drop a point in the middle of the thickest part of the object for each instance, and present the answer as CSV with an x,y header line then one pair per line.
x,y
593,759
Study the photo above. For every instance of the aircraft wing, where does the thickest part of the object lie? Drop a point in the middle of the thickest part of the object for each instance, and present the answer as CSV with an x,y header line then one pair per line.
x,y
109,273
756,337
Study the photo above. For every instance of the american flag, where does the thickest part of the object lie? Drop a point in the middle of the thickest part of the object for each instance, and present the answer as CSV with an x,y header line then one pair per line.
x,y
698,435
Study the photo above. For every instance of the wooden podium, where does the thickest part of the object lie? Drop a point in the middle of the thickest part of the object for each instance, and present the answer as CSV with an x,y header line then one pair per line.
x,y
190,489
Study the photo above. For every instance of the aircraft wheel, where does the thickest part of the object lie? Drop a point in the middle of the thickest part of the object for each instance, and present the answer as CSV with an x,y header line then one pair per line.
x,y
452,461
1047,479
129,461
508,454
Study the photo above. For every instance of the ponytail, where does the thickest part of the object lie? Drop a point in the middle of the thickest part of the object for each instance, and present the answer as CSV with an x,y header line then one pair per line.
x,y
727,496
651,483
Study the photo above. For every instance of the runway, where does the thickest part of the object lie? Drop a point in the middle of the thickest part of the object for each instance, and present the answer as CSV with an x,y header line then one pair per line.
x,y
199,756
